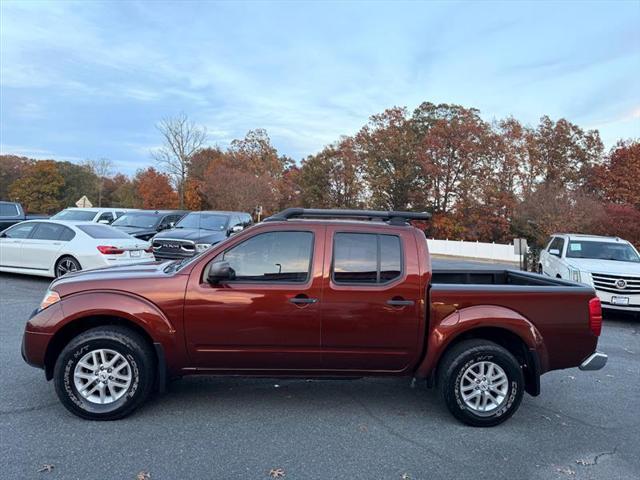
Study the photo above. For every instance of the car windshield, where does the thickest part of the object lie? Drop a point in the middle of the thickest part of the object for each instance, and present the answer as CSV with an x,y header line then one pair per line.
x,y
141,220
77,215
102,231
621,252
204,221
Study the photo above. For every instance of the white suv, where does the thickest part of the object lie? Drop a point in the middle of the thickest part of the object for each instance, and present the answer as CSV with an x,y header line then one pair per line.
x,y
93,214
609,264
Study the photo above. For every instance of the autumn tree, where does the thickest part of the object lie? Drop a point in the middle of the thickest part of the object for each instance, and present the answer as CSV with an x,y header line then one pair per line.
x,y
617,179
40,187
387,148
564,153
120,191
154,189
12,167
79,180
333,178
182,138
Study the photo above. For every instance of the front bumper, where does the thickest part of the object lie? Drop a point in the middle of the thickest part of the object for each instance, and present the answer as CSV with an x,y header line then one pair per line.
x,y
595,361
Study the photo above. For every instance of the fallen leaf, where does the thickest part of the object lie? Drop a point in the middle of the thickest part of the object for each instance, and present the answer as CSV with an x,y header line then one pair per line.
x,y
363,428
46,468
405,476
277,473
143,476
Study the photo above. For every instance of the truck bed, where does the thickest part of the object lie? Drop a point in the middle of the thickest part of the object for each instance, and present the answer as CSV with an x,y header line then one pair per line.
x,y
556,308
497,277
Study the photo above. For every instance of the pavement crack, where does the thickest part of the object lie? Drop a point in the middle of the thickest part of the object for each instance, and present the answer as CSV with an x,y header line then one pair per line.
x,y
28,409
590,463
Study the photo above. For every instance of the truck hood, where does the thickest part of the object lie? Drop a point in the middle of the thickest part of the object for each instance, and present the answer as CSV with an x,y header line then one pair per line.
x,y
604,266
111,278
194,234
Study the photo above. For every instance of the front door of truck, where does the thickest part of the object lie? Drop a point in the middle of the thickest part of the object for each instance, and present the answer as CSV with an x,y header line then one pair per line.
x,y
268,317
371,299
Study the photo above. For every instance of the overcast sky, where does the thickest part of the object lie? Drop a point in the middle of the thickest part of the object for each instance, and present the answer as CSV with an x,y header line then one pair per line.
x,y
91,79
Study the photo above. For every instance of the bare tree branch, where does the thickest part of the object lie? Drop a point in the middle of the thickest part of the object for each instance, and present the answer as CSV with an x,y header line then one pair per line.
x,y
182,138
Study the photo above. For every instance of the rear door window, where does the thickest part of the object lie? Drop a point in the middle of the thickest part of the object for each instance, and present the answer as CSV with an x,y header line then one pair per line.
x,y
366,258
47,231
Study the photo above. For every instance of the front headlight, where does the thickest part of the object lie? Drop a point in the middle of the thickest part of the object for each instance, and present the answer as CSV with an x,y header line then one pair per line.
x,y
201,247
575,275
49,299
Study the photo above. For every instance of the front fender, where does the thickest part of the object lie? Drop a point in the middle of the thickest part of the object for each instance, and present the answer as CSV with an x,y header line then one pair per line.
x,y
129,307
462,321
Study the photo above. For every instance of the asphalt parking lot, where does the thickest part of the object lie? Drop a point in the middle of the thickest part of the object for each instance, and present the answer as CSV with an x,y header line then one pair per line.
x,y
585,425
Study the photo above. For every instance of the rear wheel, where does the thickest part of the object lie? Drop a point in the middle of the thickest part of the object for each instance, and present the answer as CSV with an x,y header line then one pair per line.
x,y
480,382
66,265
104,373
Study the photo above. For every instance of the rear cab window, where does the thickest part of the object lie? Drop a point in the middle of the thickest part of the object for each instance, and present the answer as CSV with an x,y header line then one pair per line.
x,y
8,210
366,258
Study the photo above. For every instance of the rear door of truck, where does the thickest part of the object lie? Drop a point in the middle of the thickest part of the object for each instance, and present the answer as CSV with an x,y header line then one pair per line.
x,y
371,299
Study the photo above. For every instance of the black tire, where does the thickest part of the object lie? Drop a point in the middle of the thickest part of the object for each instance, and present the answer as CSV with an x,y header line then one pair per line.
x,y
137,352
454,365
66,263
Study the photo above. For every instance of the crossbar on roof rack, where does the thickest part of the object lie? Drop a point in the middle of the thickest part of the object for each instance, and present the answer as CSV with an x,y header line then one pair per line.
x,y
391,216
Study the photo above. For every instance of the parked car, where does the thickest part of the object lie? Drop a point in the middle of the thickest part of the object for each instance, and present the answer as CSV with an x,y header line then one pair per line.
x,y
198,231
12,213
54,248
313,298
144,224
98,215
609,264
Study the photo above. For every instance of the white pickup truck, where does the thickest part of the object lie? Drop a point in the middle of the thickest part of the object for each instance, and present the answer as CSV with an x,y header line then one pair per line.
x,y
609,264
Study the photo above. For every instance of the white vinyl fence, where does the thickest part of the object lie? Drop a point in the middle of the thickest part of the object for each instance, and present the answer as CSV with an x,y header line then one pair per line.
x,y
485,251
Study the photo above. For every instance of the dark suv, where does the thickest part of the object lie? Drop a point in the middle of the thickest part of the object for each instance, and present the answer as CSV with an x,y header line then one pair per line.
x,y
144,224
197,231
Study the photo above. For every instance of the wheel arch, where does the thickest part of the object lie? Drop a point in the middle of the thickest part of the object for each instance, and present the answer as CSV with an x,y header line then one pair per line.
x,y
80,325
60,257
500,325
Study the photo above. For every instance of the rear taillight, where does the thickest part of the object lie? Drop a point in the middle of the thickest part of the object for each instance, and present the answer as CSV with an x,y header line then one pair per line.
x,y
595,316
110,250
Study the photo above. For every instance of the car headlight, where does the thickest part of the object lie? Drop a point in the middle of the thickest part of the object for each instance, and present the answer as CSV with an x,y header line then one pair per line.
x,y
575,275
201,247
49,299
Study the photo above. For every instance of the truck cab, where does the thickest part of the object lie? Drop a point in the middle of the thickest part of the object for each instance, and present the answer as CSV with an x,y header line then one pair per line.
x,y
609,264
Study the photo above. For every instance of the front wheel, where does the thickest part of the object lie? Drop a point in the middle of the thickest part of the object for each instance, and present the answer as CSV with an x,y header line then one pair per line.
x,y
481,383
104,373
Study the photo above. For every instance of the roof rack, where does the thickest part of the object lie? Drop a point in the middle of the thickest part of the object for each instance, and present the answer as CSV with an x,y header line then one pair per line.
x,y
394,218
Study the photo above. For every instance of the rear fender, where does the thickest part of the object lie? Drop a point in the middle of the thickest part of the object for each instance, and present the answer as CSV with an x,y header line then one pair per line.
x,y
468,319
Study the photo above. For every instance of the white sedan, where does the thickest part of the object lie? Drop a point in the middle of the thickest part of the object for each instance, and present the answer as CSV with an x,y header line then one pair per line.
x,y
53,248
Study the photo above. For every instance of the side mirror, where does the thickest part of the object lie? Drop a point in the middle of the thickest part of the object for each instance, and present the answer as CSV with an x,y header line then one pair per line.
x,y
554,251
171,224
104,222
236,229
220,272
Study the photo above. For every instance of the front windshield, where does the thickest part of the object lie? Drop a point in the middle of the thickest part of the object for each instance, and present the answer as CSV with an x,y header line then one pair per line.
x,y
204,221
140,220
621,252
76,215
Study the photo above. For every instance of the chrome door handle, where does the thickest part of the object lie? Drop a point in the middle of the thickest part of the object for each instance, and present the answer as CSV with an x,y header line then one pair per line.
x,y
400,303
302,300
